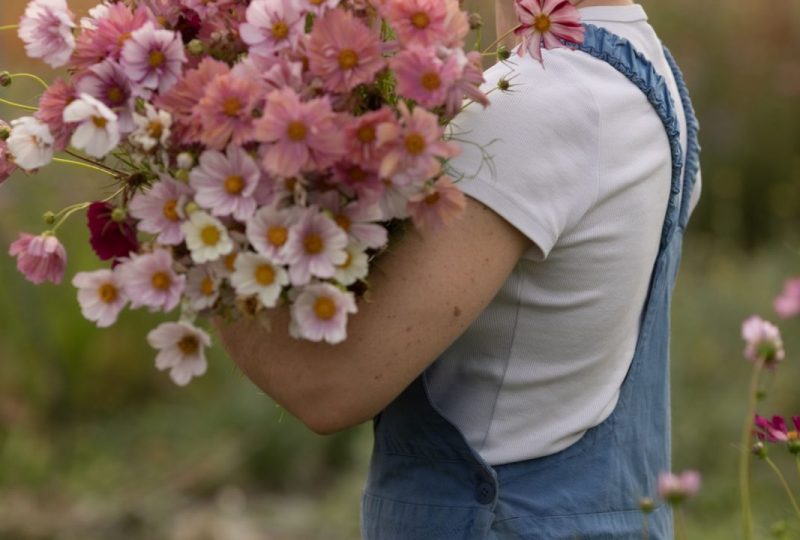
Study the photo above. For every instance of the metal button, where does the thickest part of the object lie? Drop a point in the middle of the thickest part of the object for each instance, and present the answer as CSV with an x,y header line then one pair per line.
x,y
484,493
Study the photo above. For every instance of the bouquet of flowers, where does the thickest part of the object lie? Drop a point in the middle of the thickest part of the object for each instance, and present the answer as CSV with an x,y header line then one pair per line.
x,y
260,149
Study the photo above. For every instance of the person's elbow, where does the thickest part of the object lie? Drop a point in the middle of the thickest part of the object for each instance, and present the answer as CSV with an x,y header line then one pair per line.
x,y
329,413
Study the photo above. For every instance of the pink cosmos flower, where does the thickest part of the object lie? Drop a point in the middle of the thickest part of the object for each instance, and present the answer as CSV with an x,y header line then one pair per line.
x,y
415,146
153,58
181,349
272,25
763,341
437,206
202,287
423,22
275,72
319,313
318,7
423,76
394,198
343,51
108,83
787,304
359,219
7,166
677,488
30,142
268,232
100,295
358,182
111,31
150,280
51,111
182,99
304,135
98,130
362,137
468,84
776,430
159,210
46,29
39,258
544,23
226,111
110,239
316,245
207,8
225,183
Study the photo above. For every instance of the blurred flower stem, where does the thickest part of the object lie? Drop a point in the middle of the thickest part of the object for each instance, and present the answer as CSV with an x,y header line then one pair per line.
x,y
680,523
18,105
785,484
86,165
30,76
744,451
9,27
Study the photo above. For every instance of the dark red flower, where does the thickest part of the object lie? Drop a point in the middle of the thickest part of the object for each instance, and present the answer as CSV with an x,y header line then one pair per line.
x,y
111,239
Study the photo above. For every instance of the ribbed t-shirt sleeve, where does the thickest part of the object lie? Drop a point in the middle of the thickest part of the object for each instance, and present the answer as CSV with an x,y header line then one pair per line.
x,y
532,155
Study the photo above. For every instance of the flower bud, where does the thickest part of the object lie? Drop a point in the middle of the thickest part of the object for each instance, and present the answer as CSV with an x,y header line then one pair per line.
x,y
475,21
794,447
759,450
503,85
118,215
191,208
647,505
503,53
5,79
185,160
5,133
182,175
196,47
49,218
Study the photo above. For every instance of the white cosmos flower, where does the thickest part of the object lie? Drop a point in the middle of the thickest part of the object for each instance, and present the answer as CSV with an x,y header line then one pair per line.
x,y
98,132
202,287
100,295
181,349
257,275
355,267
319,313
206,237
30,142
152,129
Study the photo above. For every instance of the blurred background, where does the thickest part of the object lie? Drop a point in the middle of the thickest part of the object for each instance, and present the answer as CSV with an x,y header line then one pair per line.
x,y
96,444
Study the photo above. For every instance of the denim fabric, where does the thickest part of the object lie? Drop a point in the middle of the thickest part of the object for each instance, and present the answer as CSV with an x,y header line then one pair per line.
x,y
426,483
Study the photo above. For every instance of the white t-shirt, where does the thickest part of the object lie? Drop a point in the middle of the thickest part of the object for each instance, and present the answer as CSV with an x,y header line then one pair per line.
x,y
581,165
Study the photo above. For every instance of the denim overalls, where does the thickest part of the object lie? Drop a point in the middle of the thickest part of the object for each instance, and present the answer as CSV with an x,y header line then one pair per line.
x,y
426,483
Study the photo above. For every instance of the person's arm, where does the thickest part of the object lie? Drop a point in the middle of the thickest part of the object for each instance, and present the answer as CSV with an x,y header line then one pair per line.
x,y
425,292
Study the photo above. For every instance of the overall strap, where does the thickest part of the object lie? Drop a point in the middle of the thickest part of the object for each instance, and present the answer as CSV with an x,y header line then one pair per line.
x,y
622,56
692,168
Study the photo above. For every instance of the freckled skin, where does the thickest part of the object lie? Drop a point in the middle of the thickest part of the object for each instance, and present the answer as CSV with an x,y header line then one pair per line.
x,y
456,311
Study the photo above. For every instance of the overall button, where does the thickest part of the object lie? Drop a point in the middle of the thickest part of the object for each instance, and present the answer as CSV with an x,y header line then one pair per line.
x,y
484,493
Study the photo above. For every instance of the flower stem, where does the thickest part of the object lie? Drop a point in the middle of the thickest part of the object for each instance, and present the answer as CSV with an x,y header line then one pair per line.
x,y
92,162
645,527
680,524
18,105
31,76
501,38
797,462
9,27
72,210
745,453
780,476
86,165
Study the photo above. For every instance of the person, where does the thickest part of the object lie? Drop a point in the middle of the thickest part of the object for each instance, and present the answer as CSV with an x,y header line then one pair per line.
x,y
516,364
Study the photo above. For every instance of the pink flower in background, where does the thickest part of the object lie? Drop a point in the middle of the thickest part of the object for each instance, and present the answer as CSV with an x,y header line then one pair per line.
x,y
362,138
98,126
96,13
318,7
423,22
424,77
51,111
7,166
110,239
343,52
206,8
225,183
150,280
358,182
153,59
275,72
100,295
159,210
272,25
359,219
304,135
544,23
776,430
394,198
316,245
181,349
415,146
268,232
182,99
108,83
437,206
39,258
320,313
763,341
677,488
111,31
468,84
225,111
30,142
46,29
787,304
202,287
256,275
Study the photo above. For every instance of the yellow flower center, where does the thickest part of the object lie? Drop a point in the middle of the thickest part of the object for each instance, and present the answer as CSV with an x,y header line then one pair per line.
x,y
207,286
155,129
277,235
325,308
348,59
99,121
420,20
115,95
234,184
230,261
107,293
265,275
433,198
415,144
343,222
210,235
431,81
793,435
188,345
171,210
313,244
232,107
366,134
161,281
280,30
347,262
156,59
315,2
296,131
542,23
